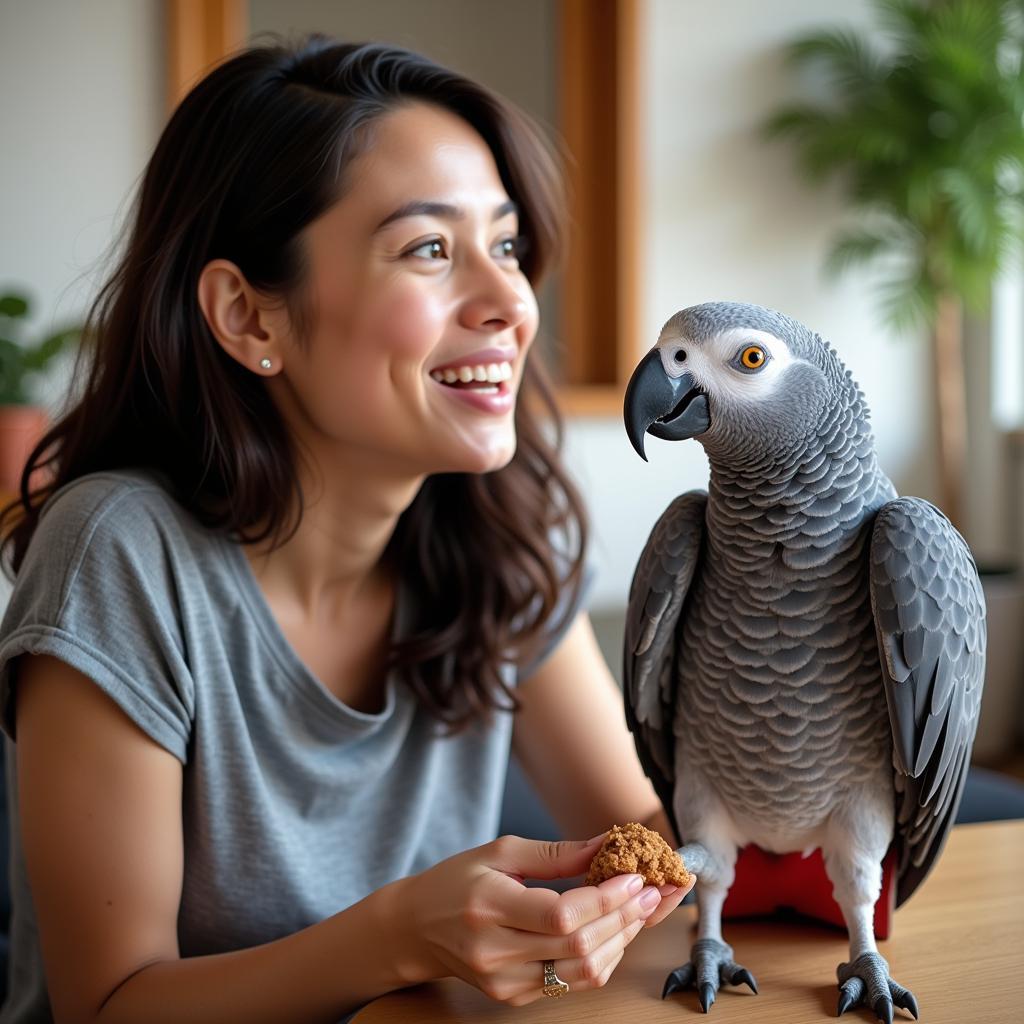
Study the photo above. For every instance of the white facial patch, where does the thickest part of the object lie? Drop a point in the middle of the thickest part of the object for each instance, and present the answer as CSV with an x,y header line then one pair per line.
x,y
715,364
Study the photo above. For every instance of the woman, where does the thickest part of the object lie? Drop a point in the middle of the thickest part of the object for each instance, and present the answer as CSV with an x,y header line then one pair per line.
x,y
307,563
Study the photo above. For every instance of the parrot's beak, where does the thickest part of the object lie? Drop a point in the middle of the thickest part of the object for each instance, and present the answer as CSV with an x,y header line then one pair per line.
x,y
673,408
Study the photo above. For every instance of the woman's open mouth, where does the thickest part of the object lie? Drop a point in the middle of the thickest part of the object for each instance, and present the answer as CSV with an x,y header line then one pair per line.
x,y
484,378
486,387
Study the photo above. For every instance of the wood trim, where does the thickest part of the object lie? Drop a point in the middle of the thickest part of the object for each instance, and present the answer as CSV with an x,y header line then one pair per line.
x,y
599,89
200,33
629,201
604,400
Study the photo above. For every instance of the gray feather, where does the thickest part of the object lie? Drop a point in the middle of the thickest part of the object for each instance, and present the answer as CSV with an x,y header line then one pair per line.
x,y
657,594
929,602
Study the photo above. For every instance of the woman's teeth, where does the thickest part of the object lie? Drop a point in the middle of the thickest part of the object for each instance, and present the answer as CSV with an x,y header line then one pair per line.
x,y
491,373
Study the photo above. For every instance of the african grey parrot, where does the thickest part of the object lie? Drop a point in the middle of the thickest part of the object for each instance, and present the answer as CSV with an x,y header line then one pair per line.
x,y
804,650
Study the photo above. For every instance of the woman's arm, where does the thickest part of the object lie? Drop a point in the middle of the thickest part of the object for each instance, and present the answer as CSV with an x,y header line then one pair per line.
x,y
572,740
100,807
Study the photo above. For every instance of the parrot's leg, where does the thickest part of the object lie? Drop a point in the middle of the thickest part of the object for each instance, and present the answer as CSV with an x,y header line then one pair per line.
x,y
711,963
853,862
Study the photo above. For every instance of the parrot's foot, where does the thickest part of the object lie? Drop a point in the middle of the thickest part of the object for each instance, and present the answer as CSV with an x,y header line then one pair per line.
x,y
867,980
710,965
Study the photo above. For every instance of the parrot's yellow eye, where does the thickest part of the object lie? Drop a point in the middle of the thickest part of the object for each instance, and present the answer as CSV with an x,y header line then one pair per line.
x,y
753,357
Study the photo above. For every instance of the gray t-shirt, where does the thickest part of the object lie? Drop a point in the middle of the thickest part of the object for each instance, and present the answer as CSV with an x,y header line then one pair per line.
x,y
294,805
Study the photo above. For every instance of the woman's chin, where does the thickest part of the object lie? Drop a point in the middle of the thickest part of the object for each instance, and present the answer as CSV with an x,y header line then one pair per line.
x,y
486,459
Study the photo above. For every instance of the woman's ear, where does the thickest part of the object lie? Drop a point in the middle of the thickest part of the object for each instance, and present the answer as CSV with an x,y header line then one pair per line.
x,y
247,328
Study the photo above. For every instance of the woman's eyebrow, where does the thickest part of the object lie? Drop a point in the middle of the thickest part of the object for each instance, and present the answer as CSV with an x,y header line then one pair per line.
x,y
446,211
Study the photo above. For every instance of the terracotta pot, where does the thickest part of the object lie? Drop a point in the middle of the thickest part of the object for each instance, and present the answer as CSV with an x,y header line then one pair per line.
x,y
21,427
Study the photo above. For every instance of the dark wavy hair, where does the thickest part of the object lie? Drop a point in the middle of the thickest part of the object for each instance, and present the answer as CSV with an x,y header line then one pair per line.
x,y
254,153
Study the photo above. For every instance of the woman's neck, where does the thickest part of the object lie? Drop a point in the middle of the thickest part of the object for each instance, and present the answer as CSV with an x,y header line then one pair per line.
x,y
335,556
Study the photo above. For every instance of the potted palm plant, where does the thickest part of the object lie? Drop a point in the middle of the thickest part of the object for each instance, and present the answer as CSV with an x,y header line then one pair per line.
x,y
923,123
22,420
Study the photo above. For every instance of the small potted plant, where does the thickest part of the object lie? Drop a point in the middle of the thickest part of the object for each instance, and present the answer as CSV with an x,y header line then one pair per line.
x,y
22,419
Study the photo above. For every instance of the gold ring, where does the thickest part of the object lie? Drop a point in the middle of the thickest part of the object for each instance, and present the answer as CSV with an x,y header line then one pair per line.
x,y
553,984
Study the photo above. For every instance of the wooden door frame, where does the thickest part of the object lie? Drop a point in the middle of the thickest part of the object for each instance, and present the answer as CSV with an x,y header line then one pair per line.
x,y
200,33
599,93
599,87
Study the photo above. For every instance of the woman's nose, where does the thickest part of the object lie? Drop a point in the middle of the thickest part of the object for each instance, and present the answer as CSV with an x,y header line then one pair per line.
x,y
494,302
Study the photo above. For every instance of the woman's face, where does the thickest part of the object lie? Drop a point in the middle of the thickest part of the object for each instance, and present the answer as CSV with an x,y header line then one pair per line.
x,y
421,316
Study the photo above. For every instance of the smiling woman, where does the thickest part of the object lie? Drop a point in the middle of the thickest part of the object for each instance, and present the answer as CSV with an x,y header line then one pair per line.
x,y
306,563
328,262
402,288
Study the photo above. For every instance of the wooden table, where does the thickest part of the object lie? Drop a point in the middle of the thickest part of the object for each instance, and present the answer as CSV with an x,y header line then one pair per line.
x,y
958,944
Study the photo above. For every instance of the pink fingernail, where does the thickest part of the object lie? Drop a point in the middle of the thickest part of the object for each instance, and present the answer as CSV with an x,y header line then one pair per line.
x,y
650,898
635,884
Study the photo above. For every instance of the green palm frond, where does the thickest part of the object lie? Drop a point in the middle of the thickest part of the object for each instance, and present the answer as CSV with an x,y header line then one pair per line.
x,y
909,300
977,217
799,121
926,133
968,33
831,141
903,20
850,61
858,246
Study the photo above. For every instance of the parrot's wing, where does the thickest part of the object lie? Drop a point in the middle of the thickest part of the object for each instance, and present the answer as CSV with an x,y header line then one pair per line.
x,y
656,596
929,614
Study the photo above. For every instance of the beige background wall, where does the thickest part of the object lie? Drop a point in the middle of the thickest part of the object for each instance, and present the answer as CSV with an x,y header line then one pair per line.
x,y
81,107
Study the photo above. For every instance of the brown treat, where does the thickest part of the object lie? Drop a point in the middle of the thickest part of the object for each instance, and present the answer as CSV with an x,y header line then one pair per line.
x,y
634,850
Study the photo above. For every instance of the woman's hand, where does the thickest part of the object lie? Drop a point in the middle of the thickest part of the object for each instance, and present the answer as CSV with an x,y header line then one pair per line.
x,y
471,917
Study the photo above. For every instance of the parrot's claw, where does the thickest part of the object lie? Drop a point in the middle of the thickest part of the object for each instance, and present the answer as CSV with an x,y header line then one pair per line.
x,y
681,978
744,977
867,980
711,964
883,1009
707,996
846,1000
905,1001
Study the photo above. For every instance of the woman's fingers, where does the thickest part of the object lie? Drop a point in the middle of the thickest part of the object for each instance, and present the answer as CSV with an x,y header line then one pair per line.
x,y
593,935
584,931
530,858
594,969
590,971
671,897
547,912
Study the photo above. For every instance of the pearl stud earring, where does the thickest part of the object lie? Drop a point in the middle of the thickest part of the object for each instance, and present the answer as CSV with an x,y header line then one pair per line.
x,y
266,363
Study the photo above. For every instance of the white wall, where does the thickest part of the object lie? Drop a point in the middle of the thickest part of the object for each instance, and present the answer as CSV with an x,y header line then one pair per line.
x,y
727,216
